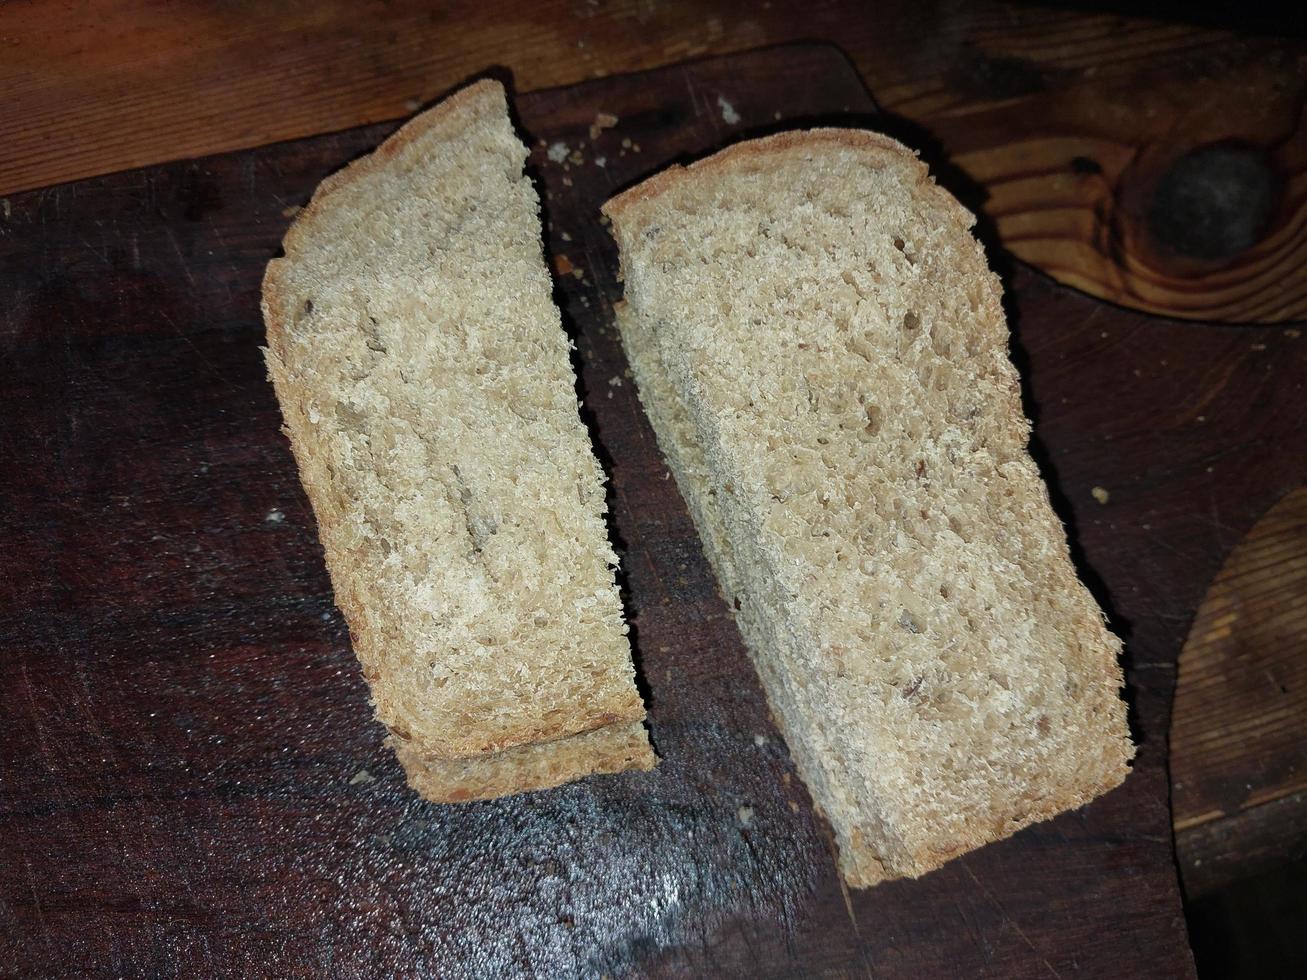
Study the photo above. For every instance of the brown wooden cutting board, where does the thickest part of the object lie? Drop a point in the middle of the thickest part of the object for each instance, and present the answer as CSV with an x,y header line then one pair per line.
x,y
190,779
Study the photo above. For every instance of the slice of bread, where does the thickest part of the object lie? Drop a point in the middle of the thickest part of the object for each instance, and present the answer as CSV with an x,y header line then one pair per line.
x,y
822,352
425,381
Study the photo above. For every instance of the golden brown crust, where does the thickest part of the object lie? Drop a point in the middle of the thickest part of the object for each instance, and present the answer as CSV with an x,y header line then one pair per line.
x,y
875,145
610,749
579,722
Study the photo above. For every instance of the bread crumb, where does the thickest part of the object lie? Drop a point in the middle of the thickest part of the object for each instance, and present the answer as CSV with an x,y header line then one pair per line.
x,y
576,158
615,382
1293,333
635,148
562,265
567,181
1258,347
626,142
287,212
760,740
558,152
729,115
4,202
361,778
274,516
578,272
745,813
603,120
412,105
601,161
776,116
565,236
1101,494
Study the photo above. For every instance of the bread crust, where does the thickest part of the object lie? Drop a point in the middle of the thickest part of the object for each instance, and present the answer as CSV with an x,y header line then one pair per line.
x,y
737,155
525,768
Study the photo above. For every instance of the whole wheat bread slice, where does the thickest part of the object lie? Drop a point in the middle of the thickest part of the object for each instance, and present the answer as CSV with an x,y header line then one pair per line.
x,y
425,382
821,349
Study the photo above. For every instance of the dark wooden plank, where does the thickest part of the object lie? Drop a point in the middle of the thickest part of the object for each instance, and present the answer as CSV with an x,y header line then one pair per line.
x,y
1252,928
1239,730
1259,840
191,780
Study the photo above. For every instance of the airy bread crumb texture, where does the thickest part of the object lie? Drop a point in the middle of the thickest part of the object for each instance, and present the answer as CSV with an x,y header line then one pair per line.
x,y
820,347
425,381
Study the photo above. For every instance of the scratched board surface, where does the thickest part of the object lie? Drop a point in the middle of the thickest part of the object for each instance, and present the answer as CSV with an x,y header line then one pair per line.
x,y
190,779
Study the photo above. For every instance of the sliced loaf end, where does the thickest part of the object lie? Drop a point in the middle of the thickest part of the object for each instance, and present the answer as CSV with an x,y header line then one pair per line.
x,y
837,338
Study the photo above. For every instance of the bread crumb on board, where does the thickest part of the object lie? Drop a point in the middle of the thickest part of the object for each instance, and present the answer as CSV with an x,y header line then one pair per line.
x,y
745,815
729,115
557,152
603,120
274,516
1101,494
361,778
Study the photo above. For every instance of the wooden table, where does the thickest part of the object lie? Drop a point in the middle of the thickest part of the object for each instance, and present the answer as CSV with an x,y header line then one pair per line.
x,y
149,511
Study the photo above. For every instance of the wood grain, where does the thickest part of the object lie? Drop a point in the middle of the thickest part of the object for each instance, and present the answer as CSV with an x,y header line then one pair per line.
x,y
192,782
1239,728
1157,165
